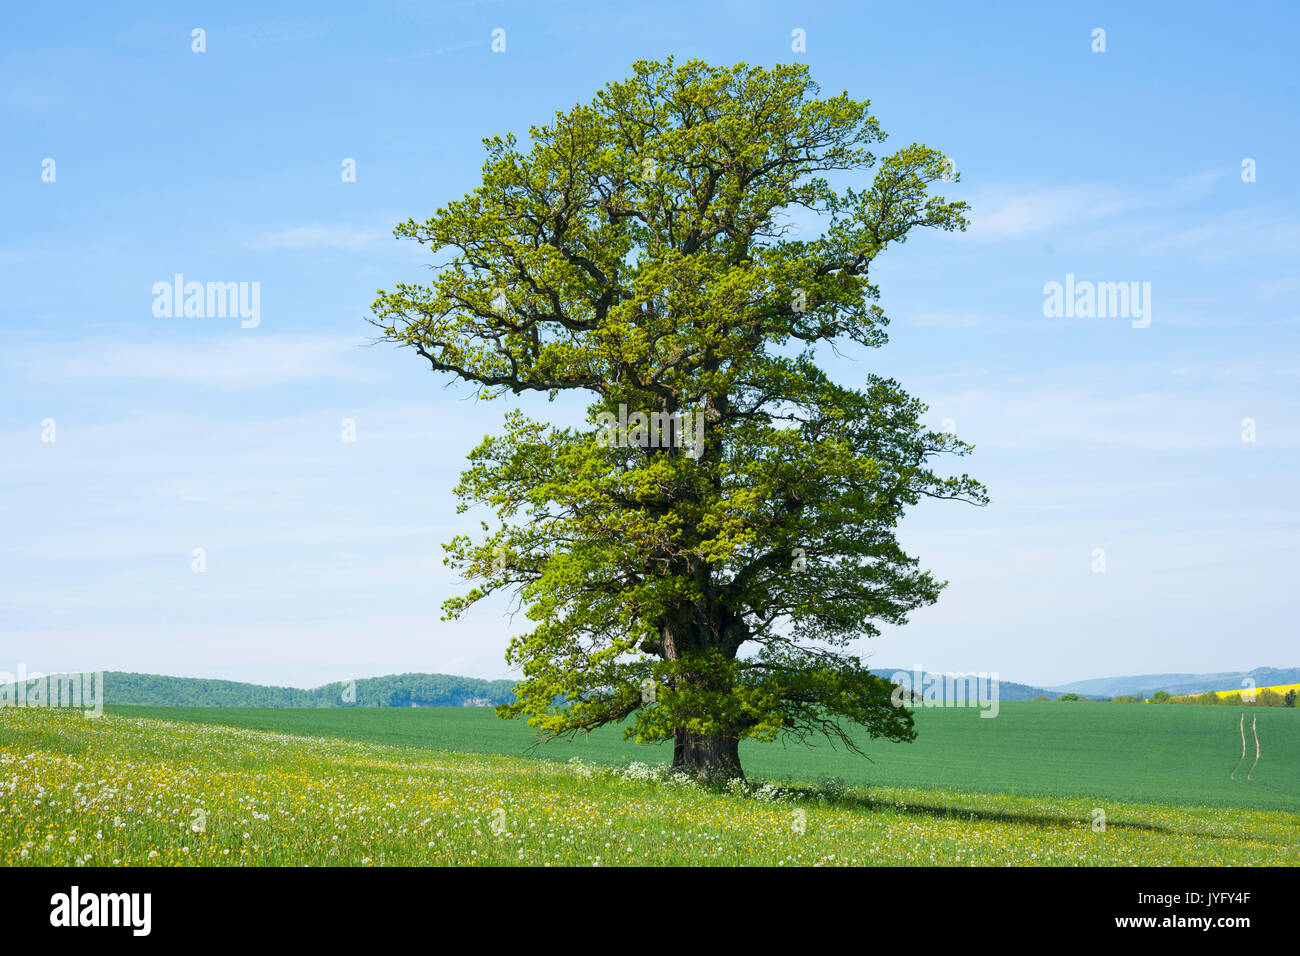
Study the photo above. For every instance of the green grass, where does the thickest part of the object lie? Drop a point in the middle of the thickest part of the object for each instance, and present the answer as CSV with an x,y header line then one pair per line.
x,y
1102,752
137,791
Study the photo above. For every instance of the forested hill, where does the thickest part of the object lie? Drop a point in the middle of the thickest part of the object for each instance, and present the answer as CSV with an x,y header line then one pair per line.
x,y
394,690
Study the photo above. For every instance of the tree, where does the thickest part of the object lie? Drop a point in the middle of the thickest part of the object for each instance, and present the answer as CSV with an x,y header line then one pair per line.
x,y
1068,697
1161,697
696,558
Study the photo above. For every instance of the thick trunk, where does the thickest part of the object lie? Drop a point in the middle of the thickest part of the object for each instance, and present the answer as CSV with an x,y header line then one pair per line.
x,y
707,756
702,631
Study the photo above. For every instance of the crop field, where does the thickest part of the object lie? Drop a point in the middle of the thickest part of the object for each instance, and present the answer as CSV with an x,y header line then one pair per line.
x,y
124,790
1276,688
1125,752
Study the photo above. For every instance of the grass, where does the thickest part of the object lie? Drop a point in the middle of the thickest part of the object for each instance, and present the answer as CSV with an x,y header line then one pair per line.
x,y
138,791
1093,751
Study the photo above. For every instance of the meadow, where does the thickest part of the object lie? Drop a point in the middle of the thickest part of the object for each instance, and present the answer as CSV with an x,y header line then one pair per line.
x,y
131,790
1127,752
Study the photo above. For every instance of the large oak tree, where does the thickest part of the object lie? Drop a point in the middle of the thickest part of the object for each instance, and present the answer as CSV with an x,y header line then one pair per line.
x,y
639,250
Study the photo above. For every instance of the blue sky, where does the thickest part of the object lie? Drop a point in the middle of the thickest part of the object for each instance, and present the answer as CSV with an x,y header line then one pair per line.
x,y
323,557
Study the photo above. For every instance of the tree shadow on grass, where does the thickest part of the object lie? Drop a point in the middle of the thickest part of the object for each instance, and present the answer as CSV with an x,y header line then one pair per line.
x,y
834,793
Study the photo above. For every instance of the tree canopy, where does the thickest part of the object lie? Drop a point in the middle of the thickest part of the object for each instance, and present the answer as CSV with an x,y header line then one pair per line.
x,y
639,250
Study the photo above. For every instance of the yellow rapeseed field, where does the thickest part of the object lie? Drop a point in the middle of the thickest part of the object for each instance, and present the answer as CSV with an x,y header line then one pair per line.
x,y
1279,688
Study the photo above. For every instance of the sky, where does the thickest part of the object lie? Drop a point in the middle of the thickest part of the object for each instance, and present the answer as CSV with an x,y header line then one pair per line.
x,y
1142,471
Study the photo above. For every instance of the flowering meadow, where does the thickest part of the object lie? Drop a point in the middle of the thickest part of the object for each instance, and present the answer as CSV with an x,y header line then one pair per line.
x,y
142,792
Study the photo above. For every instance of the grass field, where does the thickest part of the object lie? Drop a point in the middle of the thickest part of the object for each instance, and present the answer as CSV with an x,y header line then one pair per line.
x,y
1125,752
139,791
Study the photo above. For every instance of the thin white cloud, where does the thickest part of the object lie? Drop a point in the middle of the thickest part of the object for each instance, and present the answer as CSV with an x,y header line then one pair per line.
x,y
1001,213
1205,238
1013,213
240,360
1226,238
1277,288
1166,410
318,236
946,318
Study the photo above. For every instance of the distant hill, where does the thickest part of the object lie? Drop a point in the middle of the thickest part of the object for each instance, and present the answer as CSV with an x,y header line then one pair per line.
x,y
1007,690
394,690
1144,685
446,690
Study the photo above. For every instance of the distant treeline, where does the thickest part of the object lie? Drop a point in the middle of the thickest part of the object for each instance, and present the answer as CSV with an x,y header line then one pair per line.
x,y
1263,698
394,690
1262,676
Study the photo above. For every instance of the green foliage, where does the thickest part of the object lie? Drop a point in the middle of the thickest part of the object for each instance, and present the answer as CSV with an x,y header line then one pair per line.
x,y
1068,697
1209,698
637,251
1160,697
1264,698
1288,699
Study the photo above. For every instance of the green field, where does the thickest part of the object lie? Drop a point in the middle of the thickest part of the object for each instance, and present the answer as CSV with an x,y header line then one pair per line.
x,y
137,791
1124,752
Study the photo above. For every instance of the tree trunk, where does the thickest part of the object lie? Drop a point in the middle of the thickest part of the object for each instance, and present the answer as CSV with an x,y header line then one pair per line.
x,y
712,756
707,756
